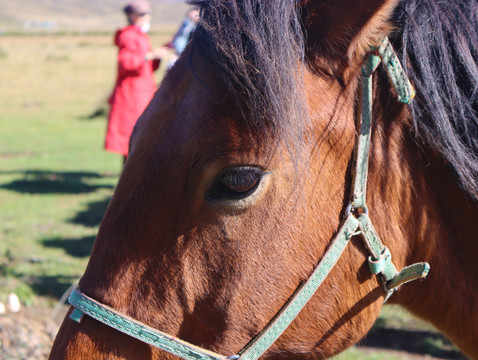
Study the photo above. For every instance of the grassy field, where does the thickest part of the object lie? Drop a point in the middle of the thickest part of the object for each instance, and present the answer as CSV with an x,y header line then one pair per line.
x,y
80,15
56,181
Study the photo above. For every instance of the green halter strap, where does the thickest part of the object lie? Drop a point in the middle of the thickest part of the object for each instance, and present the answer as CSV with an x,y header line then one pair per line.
x,y
380,259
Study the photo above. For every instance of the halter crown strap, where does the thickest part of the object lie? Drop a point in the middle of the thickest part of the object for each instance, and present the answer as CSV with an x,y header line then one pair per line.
x,y
380,259
396,75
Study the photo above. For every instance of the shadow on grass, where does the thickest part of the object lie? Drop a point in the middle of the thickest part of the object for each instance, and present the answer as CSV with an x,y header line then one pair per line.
x,y
93,215
52,286
74,247
101,112
412,341
28,286
52,182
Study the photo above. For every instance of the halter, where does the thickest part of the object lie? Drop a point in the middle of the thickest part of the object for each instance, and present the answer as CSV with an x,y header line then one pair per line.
x,y
356,223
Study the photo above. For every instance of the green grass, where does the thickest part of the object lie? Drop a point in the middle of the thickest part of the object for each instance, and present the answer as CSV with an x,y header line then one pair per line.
x,y
355,353
56,180
399,335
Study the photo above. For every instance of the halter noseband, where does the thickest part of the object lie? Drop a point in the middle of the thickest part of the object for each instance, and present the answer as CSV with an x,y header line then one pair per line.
x,y
380,259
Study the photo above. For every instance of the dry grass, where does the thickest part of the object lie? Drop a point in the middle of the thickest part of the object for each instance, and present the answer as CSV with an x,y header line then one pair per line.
x,y
55,179
83,15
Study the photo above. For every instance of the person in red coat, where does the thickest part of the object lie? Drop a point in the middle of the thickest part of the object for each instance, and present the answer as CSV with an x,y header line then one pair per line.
x,y
135,83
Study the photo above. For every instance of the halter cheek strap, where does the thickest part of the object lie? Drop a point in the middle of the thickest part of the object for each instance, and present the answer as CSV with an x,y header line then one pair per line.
x,y
380,259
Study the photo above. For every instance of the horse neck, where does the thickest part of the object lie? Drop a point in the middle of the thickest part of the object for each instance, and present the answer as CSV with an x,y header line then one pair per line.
x,y
449,297
425,216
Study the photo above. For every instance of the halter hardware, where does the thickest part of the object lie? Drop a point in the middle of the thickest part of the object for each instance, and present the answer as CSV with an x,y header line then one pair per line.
x,y
380,260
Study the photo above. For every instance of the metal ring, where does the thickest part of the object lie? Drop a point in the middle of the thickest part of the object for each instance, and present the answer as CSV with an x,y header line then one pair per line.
x,y
233,357
363,208
348,209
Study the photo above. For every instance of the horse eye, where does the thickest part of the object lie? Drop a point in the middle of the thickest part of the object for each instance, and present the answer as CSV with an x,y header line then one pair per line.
x,y
237,183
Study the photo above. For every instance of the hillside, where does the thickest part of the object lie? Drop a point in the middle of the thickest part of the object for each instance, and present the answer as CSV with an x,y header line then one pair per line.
x,y
80,15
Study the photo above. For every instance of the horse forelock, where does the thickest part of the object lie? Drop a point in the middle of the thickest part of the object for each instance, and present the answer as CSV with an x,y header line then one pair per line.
x,y
439,47
257,48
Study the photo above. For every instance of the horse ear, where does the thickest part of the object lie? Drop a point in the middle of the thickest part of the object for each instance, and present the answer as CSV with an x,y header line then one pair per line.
x,y
342,31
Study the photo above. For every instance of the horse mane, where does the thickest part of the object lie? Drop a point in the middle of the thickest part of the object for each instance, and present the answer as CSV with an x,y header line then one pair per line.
x,y
256,46
438,42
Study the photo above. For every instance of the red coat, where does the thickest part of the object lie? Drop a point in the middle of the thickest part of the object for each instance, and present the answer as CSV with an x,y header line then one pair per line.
x,y
135,87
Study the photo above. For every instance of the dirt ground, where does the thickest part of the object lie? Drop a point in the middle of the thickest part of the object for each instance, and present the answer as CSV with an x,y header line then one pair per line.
x,y
29,334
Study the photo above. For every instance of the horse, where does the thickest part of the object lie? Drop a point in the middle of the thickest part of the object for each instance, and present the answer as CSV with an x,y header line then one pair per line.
x,y
239,176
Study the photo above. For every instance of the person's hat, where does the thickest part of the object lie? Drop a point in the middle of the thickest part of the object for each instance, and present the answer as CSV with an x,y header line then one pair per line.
x,y
137,7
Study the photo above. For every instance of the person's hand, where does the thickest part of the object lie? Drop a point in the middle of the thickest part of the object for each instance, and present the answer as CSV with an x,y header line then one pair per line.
x,y
157,54
160,53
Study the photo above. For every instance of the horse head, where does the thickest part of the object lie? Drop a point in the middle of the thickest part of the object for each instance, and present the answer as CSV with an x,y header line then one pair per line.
x,y
238,178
